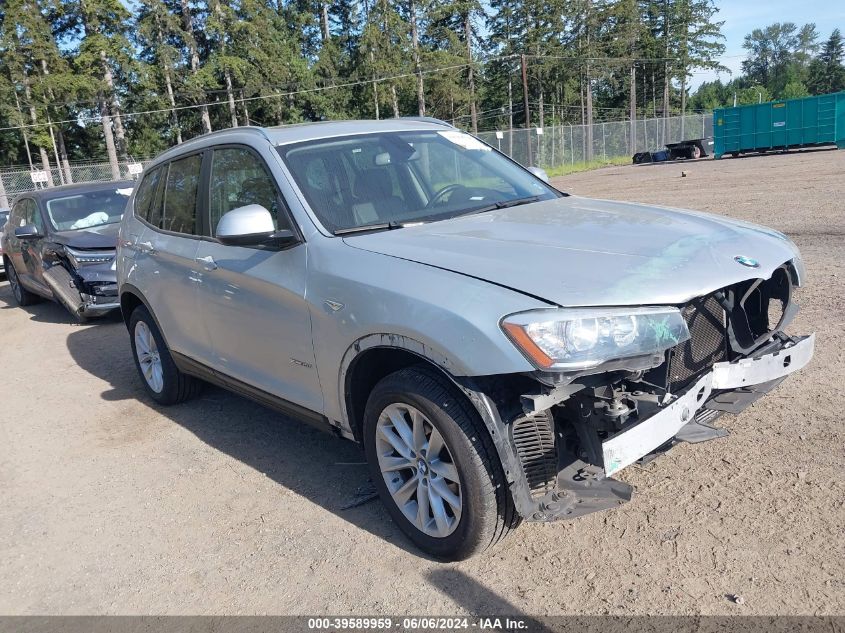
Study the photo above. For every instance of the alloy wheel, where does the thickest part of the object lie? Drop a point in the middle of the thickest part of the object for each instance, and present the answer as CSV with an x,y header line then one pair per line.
x,y
418,470
149,358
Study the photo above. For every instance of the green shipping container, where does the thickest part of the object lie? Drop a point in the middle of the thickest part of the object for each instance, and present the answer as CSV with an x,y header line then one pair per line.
x,y
780,125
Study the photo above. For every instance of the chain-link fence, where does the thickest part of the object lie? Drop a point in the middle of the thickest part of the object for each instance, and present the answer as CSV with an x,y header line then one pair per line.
x,y
565,144
19,180
553,146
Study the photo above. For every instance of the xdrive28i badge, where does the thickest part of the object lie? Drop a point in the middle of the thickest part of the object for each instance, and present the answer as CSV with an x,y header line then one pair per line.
x,y
747,261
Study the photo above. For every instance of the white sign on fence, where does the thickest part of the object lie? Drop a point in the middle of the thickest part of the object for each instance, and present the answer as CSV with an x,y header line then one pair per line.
x,y
500,135
38,177
135,168
539,131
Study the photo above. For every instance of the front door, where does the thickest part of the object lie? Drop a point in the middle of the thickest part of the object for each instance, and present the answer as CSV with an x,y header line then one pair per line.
x,y
25,255
252,300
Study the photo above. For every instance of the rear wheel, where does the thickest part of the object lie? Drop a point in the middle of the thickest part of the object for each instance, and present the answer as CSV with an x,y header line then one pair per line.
x,y
23,297
434,465
162,379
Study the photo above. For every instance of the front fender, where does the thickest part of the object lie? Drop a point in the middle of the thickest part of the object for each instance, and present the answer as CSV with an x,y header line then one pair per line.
x,y
360,299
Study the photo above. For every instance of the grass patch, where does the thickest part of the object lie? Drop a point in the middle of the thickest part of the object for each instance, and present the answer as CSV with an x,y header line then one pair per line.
x,y
573,168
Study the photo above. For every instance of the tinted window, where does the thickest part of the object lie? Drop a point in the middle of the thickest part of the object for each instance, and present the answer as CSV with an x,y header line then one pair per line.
x,y
239,178
146,195
180,196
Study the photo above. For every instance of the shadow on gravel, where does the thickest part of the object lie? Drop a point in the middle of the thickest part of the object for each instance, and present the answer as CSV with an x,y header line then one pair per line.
x,y
325,469
478,599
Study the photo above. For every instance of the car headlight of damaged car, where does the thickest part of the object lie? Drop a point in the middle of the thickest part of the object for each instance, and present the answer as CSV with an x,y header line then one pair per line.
x,y
582,338
81,258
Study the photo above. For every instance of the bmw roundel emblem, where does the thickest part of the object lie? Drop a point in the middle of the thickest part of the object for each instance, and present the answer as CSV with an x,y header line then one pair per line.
x,y
747,261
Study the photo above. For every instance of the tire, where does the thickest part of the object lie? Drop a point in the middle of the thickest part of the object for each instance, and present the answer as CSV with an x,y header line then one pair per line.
x,y
23,297
161,378
468,459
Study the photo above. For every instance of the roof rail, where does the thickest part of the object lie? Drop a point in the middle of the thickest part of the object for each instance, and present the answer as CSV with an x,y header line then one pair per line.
x,y
428,119
241,128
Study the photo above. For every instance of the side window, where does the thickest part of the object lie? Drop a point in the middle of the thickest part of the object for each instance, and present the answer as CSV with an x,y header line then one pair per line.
x,y
18,216
26,212
34,215
146,194
239,178
180,196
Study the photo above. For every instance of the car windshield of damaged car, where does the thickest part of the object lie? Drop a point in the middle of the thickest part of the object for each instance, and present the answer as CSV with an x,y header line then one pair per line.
x,y
393,179
88,210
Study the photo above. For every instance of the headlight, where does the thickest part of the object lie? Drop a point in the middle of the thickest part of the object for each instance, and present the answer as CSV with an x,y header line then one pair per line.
x,y
81,258
580,338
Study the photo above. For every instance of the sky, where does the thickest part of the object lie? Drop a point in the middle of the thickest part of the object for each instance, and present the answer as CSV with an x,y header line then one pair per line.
x,y
743,16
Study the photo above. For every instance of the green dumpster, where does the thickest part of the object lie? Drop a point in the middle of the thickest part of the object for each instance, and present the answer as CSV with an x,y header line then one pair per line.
x,y
780,125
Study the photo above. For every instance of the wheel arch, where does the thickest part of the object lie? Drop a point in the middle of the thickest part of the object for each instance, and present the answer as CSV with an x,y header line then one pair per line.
x,y
130,298
373,357
370,359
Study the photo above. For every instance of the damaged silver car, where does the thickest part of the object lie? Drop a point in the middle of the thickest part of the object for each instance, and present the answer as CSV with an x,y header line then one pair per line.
x,y
60,243
500,349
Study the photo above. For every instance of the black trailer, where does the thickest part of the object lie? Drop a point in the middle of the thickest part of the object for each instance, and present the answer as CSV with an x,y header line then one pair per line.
x,y
692,148
688,149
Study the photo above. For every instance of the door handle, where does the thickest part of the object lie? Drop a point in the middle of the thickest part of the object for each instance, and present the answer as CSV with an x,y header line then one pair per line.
x,y
146,247
207,262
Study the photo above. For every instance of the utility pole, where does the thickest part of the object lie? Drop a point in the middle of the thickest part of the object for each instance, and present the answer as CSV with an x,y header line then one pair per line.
x,y
633,107
588,154
525,107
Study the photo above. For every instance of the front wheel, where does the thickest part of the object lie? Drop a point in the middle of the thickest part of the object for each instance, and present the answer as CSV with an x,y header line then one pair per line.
x,y
434,465
23,296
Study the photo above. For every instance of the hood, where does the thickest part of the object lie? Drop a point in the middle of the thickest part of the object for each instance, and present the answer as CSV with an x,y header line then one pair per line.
x,y
576,251
104,236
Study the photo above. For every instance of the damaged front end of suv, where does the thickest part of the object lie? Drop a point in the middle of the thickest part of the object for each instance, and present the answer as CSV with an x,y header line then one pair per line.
x,y
619,386
83,280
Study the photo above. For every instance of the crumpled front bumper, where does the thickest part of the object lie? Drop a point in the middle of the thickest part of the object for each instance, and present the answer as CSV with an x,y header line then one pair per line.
x,y
626,447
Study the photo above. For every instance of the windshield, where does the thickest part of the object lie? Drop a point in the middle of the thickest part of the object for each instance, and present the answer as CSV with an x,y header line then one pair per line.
x,y
393,178
86,210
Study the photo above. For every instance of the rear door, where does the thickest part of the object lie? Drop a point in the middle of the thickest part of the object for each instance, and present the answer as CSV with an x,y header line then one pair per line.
x,y
252,299
165,269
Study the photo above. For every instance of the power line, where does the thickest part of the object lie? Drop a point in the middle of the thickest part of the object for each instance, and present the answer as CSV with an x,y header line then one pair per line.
x,y
289,93
277,95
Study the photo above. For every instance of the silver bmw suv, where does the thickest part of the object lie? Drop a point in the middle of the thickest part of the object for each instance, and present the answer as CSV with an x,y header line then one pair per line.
x,y
500,349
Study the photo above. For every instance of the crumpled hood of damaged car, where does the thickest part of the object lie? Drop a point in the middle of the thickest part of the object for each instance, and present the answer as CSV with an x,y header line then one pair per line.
x,y
576,251
104,236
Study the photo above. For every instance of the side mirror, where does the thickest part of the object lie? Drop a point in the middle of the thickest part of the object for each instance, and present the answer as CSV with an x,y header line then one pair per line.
x,y
251,225
540,173
27,232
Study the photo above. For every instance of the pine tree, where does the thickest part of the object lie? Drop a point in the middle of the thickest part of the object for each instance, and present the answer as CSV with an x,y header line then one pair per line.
x,y
827,72
158,35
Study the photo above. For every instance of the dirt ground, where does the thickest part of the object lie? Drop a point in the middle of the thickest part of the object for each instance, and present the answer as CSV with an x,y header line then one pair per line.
x,y
109,504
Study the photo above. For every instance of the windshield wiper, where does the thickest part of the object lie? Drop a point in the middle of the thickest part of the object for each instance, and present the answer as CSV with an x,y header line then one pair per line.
x,y
380,226
503,205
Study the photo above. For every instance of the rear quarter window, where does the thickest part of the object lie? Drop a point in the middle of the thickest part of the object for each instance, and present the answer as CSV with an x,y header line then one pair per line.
x,y
146,196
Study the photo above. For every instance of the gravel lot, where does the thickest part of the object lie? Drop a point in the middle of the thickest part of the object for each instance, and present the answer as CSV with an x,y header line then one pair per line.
x,y
109,504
